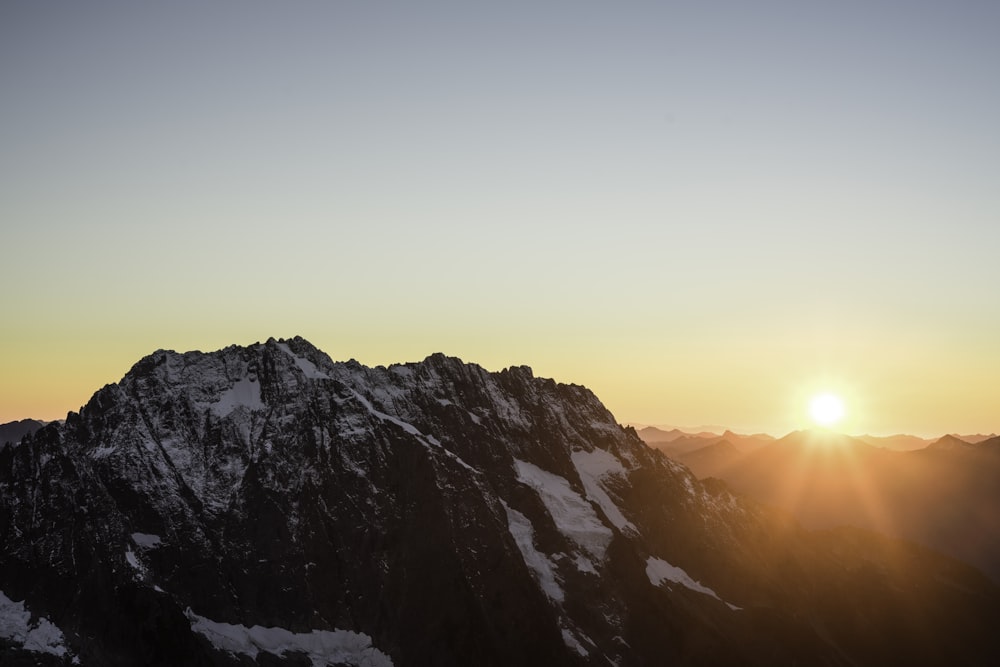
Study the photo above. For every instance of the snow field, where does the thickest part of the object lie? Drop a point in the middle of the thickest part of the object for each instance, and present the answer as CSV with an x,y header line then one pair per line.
x,y
243,394
573,515
594,467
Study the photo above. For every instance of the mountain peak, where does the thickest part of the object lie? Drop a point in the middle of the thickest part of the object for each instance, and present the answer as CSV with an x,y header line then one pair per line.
x,y
949,443
825,439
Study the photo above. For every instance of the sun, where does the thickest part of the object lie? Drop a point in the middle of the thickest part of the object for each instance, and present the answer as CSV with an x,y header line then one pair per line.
x,y
826,409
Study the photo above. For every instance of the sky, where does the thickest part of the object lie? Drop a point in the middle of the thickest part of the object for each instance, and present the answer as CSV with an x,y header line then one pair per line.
x,y
706,212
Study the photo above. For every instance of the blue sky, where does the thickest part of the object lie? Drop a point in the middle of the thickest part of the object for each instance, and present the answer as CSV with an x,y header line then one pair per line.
x,y
686,206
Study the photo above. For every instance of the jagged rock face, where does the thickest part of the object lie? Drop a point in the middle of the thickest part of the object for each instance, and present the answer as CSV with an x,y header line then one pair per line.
x,y
265,505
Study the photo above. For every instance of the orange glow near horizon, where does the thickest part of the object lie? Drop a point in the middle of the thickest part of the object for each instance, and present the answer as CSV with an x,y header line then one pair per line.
x,y
45,378
828,473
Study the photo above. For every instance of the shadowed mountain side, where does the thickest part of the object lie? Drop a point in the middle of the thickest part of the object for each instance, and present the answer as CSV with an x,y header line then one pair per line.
x,y
947,443
12,432
946,496
975,438
990,445
717,456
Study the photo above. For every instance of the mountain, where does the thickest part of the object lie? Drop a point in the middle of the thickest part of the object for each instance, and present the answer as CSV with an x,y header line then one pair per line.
x,y
717,456
945,496
808,471
975,438
264,505
686,444
899,442
652,434
12,432
949,443
990,445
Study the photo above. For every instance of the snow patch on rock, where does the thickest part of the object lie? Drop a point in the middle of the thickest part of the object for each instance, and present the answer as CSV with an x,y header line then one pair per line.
x,y
146,541
322,647
573,515
428,441
659,571
245,393
135,564
41,637
132,560
594,468
101,452
307,367
381,416
572,642
541,567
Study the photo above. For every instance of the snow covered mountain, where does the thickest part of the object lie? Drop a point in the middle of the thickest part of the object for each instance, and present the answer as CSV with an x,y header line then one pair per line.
x,y
266,505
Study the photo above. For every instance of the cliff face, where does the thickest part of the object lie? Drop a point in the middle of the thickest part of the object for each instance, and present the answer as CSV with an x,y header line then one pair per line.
x,y
265,505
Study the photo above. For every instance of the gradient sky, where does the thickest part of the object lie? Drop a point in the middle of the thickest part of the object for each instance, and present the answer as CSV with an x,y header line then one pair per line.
x,y
703,211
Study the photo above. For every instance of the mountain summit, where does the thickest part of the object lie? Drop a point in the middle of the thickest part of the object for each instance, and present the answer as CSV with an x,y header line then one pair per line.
x,y
267,505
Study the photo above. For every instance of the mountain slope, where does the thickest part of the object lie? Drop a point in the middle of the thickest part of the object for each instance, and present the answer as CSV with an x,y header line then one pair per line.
x,y
683,445
717,456
899,442
945,495
265,505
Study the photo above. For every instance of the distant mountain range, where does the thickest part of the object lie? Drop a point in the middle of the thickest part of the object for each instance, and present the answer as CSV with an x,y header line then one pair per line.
x,y
945,495
676,442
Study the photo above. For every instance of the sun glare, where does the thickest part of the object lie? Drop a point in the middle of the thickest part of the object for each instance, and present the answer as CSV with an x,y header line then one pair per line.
x,y
826,409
